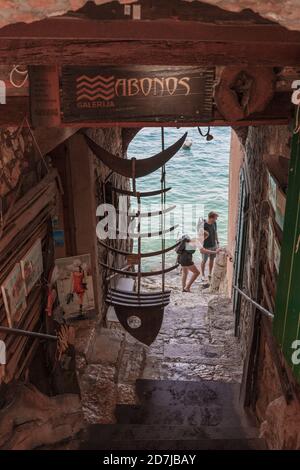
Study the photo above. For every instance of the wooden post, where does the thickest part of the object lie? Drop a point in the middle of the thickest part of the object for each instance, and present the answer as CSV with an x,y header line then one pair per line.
x,y
44,96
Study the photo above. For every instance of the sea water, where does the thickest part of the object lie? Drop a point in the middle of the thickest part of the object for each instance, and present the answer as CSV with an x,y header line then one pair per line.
x,y
199,180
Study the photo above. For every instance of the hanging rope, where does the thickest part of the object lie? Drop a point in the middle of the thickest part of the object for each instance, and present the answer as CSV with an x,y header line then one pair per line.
x,y
204,135
163,204
37,145
21,72
139,243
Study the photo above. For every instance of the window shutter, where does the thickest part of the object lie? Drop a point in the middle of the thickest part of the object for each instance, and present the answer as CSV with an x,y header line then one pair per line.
x,y
286,326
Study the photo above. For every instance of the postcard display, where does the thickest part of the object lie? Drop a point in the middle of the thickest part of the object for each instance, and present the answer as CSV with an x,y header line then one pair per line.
x,y
21,281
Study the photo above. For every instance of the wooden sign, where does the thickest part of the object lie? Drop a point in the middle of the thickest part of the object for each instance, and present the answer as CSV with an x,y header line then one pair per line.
x,y
44,95
116,94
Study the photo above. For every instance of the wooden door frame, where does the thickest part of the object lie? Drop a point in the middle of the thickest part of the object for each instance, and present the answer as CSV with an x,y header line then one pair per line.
x,y
160,42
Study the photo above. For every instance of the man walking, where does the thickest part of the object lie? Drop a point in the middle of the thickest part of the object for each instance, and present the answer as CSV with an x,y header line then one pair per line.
x,y
210,243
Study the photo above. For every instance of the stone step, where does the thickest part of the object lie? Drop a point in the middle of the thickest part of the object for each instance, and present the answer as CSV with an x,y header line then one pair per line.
x,y
198,392
171,445
178,415
202,403
127,432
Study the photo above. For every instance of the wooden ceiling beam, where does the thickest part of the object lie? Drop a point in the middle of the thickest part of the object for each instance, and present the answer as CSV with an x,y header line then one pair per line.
x,y
278,111
181,53
168,42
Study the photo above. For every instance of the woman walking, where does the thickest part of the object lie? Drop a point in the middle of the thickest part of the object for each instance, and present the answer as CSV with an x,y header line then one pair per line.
x,y
185,252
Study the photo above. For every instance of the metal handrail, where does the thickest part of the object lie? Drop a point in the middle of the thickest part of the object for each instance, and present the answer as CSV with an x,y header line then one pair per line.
x,y
259,307
35,334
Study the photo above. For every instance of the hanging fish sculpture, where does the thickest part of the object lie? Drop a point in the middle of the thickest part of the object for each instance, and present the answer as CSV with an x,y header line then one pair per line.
x,y
134,168
140,313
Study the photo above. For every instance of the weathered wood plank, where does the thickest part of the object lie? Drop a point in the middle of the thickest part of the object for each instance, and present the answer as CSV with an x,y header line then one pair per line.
x,y
42,51
162,42
277,112
28,216
13,112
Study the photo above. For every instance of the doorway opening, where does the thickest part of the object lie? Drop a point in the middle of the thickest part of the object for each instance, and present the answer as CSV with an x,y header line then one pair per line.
x,y
189,345
198,176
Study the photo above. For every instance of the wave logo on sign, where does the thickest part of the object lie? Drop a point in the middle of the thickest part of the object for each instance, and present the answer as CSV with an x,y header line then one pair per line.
x,y
96,88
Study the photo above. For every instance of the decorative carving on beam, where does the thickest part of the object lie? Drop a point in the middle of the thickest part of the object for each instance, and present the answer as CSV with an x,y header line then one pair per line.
x,y
241,92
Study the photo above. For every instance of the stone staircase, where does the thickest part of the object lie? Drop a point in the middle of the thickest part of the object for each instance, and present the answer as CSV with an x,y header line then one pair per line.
x,y
178,415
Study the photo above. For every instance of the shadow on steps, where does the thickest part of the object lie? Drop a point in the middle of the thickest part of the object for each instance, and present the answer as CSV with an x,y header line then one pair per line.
x,y
178,415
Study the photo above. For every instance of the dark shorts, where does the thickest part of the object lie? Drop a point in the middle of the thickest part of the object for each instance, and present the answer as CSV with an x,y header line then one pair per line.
x,y
205,256
185,259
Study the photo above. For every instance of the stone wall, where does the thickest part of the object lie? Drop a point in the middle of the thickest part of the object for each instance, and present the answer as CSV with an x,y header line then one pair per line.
x,y
287,13
236,159
30,419
280,422
110,140
84,186
99,350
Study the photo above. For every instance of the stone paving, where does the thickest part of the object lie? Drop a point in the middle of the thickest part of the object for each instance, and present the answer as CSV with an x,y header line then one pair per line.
x,y
196,342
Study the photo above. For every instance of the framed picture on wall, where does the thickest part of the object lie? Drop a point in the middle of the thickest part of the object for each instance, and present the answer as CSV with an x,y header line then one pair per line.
x,y
14,295
75,285
272,191
32,265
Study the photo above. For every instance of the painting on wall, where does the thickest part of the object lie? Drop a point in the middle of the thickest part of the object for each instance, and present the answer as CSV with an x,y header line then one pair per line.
x,y
75,285
32,265
272,191
14,295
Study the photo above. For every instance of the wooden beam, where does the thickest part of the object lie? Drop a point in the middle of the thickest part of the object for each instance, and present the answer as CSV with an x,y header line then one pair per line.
x,y
13,112
161,42
279,111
